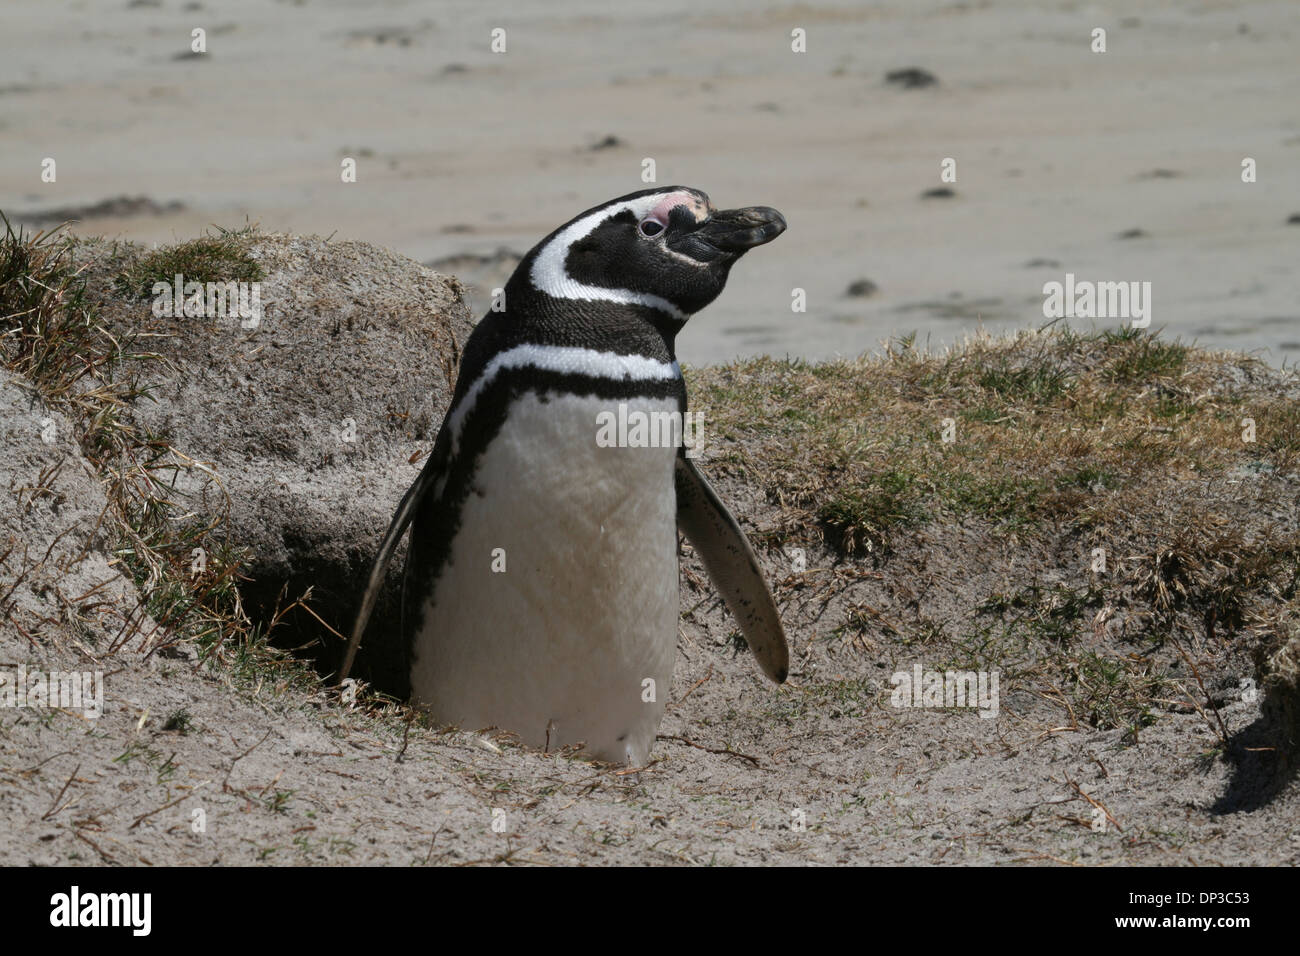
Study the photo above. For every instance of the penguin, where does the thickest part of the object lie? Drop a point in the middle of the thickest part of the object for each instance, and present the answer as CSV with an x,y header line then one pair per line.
x,y
540,593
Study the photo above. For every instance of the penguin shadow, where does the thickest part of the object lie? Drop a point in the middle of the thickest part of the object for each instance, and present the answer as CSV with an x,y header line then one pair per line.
x,y
1263,765
309,629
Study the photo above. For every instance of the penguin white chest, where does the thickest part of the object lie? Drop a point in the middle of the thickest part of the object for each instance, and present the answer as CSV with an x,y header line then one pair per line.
x,y
555,615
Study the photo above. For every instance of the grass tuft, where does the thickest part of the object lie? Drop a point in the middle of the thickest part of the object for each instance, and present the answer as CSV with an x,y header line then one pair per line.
x,y
220,257
52,335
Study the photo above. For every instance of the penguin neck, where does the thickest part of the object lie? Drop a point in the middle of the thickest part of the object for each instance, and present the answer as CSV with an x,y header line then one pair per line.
x,y
627,328
667,326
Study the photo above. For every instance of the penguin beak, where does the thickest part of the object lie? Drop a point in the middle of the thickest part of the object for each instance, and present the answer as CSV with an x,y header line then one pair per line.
x,y
730,233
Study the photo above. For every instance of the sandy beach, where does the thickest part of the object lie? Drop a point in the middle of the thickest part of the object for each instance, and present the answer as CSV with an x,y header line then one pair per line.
x,y
1116,166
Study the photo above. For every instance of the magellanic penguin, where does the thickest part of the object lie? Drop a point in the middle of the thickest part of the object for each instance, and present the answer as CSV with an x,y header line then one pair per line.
x,y
541,586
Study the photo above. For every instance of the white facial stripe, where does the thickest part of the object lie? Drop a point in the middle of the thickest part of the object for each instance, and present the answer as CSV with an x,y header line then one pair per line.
x,y
567,361
549,275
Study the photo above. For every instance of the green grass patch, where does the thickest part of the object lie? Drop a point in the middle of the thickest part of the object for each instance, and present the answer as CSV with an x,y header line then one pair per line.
x,y
1111,693
861,515
1137,355
1036,382
220,257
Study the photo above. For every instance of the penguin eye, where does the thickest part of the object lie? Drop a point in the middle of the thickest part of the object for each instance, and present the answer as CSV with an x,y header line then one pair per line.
x,y
651,227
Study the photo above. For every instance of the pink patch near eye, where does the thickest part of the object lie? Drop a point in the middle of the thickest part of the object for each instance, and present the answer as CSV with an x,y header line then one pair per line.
x,y
670,202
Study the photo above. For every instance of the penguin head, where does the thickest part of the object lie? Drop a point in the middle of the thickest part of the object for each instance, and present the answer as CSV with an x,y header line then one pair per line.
x,y
665,248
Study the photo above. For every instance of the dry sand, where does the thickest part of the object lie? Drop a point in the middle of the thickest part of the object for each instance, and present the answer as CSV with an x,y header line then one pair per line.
x,y
463,150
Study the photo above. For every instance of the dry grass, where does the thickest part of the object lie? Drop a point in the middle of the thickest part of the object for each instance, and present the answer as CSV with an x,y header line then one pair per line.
x,y
1046,426
1054,443
51,335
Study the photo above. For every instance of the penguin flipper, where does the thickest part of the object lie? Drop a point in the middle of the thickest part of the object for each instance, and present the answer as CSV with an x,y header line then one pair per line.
x,y
434,469
731,563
